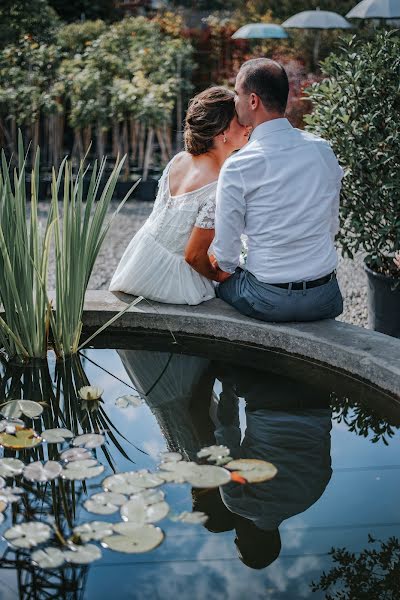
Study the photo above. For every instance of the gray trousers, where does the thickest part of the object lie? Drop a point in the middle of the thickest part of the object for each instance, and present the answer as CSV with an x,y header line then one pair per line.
x,y
267,302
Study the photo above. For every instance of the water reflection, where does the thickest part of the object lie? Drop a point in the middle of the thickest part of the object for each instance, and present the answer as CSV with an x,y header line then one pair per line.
x,y
285,425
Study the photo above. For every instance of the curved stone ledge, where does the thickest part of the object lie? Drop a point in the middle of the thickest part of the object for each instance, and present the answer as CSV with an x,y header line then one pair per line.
x,y
365,354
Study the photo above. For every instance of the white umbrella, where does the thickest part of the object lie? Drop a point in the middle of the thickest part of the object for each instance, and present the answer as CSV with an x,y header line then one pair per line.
x,y
316,19
375,9
260,31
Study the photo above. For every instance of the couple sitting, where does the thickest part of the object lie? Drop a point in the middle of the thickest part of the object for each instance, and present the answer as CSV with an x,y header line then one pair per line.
x,y
281,189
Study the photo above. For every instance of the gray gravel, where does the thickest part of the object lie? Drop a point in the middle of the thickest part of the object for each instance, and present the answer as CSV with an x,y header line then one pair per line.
x,y
351,276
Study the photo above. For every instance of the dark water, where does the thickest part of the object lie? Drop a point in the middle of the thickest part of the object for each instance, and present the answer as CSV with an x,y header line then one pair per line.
x,y
334,441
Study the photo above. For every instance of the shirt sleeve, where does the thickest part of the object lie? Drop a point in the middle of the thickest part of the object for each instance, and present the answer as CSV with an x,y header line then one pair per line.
x,y
206,215
335,221
229,217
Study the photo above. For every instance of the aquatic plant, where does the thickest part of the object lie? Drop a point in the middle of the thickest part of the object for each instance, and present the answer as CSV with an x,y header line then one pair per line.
x,y
29,324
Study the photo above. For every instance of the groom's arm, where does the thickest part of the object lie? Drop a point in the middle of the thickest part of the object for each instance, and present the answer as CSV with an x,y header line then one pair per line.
x,y
229,216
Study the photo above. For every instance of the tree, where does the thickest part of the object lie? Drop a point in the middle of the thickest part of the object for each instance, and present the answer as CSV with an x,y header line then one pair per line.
x,y
75,10
34,18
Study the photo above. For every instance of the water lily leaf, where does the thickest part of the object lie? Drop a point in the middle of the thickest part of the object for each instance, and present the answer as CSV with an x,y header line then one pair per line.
x,y
135,539
253,469
57,435
82,555
104,503
213,452
74,454
149,496
176,472
208,476
193,518
137,511
37,471
94,530
11,467
89,440
9,426
28,535
90,392
48,558
16,408
3,482
82,469
130,400
10,494
22,438
171,456
131,481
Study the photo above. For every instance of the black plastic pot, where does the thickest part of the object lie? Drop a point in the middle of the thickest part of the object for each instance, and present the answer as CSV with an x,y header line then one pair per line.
x,y
383,303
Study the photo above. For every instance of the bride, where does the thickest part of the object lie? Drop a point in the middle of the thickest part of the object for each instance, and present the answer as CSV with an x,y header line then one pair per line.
x,y
167,260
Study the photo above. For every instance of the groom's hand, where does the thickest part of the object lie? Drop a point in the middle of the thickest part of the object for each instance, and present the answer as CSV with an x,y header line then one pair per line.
x,y
221,275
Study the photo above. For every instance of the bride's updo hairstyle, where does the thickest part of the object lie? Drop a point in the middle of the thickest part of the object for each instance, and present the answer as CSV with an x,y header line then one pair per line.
x,y
209,114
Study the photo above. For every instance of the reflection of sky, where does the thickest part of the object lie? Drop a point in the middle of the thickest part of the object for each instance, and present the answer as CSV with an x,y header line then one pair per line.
x,y
192,563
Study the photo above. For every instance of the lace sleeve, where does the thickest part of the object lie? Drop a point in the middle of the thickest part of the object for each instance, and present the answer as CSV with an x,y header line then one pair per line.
x,y
206,215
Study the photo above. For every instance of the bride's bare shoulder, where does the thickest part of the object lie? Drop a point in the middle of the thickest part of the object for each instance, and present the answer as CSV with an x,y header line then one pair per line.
x,y
189,173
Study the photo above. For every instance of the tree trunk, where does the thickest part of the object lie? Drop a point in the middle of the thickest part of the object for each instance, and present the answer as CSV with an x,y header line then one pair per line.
x,y
148,155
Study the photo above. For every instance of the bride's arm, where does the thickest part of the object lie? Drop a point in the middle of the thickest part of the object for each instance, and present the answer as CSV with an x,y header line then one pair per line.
x,y
196,253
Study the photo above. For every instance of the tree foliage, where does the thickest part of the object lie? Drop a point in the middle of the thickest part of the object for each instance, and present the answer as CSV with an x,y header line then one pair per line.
x,y
357,108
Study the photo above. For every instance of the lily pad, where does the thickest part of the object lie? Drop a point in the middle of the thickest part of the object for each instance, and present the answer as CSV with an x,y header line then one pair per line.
x,y
253,469
16,408
89,440
28,535
57,435
150,495
94,530
131,481
137,511
176,472
21,439
208,476
9,426
48,558
74,454
213,452
171,456
37,471
129,400
90,392
11,467
10,494
82,469
82,555
104,503
134,540
193,518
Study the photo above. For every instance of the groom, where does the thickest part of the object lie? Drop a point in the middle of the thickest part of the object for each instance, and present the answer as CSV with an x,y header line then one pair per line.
x,y
281,190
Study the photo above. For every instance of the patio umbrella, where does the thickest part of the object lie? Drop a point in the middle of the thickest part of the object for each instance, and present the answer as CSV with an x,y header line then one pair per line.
x,y
260,31
316,19
375,9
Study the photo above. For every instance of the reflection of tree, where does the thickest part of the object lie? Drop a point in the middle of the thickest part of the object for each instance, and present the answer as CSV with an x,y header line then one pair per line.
x,y
371,574
363,420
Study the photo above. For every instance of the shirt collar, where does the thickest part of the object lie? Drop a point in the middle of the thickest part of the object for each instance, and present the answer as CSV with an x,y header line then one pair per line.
x,y
269,127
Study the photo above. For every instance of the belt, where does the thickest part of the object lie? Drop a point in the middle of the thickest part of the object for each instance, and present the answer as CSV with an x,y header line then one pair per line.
x,y
303,285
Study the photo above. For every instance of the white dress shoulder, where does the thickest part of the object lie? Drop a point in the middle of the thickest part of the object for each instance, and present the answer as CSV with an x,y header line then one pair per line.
x,y
153,265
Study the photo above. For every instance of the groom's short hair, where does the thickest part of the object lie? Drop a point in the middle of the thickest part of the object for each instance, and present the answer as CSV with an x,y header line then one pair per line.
x,y
269,80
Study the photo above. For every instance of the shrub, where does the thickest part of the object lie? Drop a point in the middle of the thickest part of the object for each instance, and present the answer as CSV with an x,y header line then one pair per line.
x,y
357,108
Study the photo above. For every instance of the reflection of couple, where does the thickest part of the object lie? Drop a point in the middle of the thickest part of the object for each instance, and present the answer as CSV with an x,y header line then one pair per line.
x,y
286,424
281,189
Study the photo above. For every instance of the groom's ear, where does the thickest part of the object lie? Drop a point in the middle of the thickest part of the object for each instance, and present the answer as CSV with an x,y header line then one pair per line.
x,y
254,101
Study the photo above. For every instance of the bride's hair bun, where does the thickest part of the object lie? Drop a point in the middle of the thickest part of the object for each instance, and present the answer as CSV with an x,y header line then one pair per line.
x,y
209,114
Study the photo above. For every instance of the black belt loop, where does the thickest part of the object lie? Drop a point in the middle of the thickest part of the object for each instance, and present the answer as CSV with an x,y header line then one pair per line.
x,y
304,285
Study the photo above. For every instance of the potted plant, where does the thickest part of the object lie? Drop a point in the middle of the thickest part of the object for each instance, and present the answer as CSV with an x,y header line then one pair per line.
x,y
357,108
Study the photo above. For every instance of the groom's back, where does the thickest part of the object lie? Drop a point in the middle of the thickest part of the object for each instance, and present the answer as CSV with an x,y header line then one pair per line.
x,y
291,183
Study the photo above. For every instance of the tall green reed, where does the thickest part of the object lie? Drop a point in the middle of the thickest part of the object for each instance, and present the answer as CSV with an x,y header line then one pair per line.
x,y
30,321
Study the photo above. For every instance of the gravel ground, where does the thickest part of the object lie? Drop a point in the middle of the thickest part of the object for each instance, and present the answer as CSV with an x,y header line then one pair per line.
x,y
351,276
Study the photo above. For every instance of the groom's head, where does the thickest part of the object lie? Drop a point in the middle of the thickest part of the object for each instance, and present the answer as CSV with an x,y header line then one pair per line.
x,y
261,91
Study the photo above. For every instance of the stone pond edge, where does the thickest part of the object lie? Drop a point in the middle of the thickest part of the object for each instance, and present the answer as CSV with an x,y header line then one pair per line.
x,y
365,354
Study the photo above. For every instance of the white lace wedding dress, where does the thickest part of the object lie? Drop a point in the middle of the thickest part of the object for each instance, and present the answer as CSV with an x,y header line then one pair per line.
x,y
153,265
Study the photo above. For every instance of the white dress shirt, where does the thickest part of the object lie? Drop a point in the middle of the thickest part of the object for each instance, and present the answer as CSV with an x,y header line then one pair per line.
x,y
282,191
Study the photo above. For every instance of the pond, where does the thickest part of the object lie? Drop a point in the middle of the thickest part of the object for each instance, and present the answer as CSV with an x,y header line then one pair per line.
x,y
333,440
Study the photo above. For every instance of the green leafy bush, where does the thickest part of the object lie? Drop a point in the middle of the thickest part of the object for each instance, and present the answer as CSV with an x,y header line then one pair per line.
x,y
357,108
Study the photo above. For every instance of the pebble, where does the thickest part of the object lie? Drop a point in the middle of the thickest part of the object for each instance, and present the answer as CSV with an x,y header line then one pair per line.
x,y
351,276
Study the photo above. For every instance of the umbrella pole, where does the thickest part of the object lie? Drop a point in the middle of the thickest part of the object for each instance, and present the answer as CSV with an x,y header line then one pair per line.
x,y
317,43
